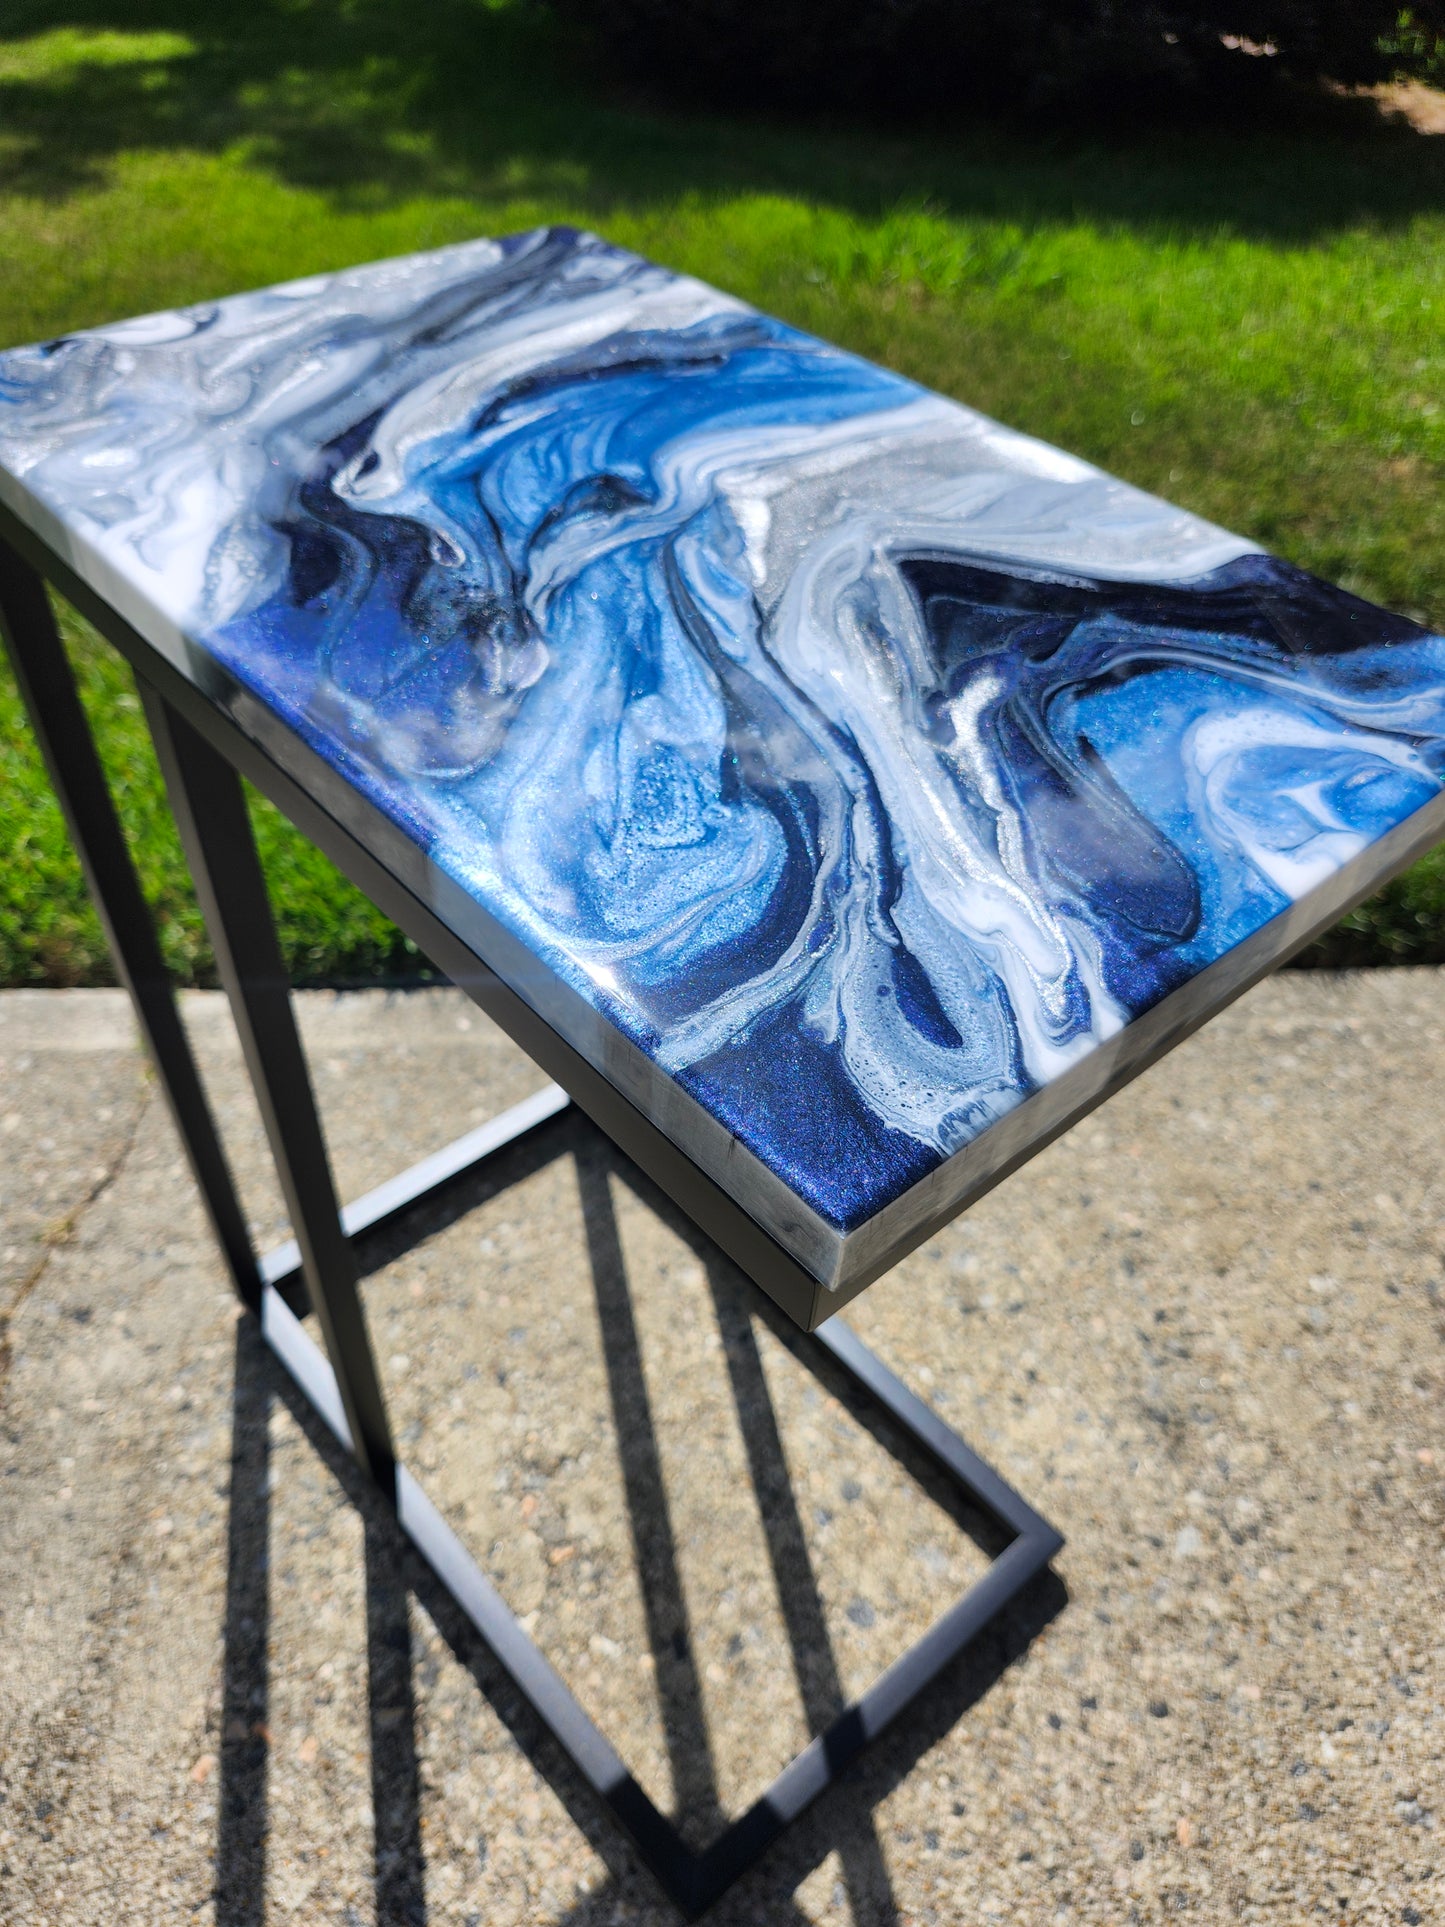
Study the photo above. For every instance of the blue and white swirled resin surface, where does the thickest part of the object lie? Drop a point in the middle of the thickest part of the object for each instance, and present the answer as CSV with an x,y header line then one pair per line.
x,y
863,763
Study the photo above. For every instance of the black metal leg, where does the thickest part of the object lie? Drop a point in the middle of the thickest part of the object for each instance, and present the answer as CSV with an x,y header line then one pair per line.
x,y
47,688
210,812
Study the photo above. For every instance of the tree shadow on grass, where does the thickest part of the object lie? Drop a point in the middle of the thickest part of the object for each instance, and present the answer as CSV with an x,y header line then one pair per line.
x,y
374,105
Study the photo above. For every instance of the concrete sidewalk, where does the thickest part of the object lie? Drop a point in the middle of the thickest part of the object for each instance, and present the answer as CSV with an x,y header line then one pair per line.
x,y
1204,1333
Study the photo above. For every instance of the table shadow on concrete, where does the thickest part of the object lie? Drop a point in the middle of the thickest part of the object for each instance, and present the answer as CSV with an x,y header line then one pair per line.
x,y
842,1821
242,1815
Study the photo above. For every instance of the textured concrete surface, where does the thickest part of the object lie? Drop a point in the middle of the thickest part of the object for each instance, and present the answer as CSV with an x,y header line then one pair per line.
x,y
1205,1333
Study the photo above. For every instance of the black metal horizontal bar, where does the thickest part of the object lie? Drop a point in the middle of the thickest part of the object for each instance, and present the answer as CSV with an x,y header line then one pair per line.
x,y
939,1440
695,1880
825,1758
281,1266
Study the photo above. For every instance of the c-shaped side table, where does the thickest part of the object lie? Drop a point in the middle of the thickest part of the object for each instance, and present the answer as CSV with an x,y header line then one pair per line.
x,y
834,793
320,1269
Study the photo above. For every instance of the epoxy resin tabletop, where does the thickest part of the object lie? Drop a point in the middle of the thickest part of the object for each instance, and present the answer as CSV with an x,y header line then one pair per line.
x,y
850,772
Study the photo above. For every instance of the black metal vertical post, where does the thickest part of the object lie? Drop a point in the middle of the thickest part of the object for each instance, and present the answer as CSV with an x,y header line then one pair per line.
x,y
48,690
210,812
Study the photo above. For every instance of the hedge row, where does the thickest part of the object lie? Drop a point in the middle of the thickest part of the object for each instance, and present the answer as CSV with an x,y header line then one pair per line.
x,y
1109,55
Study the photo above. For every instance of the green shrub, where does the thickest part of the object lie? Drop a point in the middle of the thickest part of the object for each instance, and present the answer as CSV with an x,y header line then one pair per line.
x,y
1109,54
1415,46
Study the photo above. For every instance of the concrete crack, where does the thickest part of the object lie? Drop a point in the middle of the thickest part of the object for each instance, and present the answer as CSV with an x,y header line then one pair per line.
x,y
64,1228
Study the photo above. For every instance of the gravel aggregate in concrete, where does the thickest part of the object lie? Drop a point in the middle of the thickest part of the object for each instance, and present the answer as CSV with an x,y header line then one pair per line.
x,y
1204,1333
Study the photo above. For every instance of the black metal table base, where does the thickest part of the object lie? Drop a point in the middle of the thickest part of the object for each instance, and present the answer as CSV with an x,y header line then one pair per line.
x,y
320,1270
693,1880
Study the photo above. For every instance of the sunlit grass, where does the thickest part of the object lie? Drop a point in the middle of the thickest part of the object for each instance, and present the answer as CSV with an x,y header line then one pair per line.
x,y
1251,326
47,59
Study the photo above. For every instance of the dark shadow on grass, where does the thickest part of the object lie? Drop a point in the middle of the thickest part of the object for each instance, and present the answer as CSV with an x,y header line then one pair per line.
x,y
374,104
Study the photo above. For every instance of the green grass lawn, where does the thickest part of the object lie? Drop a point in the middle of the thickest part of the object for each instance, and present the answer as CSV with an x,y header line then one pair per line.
x,y
1253,324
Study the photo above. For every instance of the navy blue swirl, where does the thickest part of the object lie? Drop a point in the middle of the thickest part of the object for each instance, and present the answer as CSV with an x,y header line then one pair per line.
x,y
561,669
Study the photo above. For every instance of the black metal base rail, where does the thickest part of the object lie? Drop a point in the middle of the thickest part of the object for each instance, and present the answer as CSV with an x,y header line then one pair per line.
x,y
692,1880
393,1201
